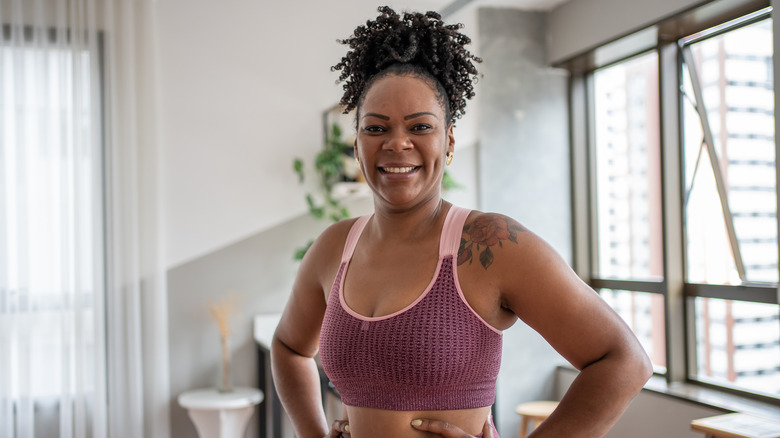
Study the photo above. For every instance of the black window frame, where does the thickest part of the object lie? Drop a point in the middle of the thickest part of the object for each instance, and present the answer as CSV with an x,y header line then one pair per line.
x,y
663,38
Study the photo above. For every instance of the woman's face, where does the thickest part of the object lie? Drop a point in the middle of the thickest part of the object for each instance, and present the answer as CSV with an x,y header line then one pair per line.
x,y
402,141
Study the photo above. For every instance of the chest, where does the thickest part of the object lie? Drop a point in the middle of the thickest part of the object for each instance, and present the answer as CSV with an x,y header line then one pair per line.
x,y
379,283
414,354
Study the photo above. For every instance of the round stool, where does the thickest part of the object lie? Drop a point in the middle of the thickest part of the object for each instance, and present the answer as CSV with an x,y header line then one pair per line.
x,y
220,415
534,413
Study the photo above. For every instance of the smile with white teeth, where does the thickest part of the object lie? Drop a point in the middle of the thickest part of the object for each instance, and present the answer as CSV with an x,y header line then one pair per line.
x,y
397,169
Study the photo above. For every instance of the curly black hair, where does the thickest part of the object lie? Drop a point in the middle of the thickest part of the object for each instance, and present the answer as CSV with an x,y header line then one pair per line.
x,y
415,44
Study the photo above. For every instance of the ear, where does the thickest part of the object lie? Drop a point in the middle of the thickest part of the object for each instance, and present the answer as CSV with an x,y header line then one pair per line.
x,y
450,139
354,147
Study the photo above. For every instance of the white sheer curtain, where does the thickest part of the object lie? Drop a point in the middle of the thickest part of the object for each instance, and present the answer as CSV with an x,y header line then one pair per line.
x,y
83,317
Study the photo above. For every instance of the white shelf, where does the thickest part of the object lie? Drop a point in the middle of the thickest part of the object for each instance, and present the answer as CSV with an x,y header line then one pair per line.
x,y
351,190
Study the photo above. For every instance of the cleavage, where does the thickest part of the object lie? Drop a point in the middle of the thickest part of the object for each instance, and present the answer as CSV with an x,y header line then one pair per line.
x,y
379,286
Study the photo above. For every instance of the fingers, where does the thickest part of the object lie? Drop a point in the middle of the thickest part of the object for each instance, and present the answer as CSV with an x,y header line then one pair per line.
x,y
487,429
442,428
339,428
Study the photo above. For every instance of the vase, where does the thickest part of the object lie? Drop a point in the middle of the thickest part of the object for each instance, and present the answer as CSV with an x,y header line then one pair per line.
x,y
225,381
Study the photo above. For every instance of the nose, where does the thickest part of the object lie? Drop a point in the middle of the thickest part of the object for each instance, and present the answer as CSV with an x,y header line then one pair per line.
x,y
398,141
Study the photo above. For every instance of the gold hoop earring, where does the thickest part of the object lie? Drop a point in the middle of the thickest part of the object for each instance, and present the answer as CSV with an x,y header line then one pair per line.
x,y
450,156
357,159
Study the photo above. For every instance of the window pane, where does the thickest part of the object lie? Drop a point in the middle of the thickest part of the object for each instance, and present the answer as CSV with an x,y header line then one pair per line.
x,y
735,75
644,313
628,194
51,221
738,344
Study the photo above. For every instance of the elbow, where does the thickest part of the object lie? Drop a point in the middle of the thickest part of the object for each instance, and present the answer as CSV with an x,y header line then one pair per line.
x,y
280,353
281,350
648,367
643,368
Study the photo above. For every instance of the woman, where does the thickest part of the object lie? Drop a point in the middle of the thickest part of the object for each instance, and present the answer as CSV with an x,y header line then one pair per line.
x,y
406,306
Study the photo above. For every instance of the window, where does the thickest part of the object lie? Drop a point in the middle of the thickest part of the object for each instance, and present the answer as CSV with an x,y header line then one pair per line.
x,y
730,202
681,191
627,193
51,229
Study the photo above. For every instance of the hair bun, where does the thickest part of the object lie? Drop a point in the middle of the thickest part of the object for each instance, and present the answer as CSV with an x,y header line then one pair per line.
x,y
422,40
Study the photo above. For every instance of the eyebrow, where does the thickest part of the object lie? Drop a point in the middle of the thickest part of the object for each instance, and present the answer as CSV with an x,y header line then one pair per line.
x,y
379,116
420,114
410,116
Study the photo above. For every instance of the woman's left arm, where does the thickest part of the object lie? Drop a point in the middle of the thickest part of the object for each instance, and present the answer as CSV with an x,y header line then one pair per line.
x,y
539,287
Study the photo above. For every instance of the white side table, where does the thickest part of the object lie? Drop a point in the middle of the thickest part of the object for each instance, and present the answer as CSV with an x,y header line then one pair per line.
x,y
220,415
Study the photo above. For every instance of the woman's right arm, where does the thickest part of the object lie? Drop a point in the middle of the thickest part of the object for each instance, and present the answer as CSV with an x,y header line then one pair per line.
x,y
295,341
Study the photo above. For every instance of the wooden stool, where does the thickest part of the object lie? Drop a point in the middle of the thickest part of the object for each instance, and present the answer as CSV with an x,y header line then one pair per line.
x,y
535,413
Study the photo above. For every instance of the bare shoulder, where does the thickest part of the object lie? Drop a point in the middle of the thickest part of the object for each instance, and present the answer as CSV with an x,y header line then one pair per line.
x,y
299,326
498,249
492,249
323,258
333,238
485,236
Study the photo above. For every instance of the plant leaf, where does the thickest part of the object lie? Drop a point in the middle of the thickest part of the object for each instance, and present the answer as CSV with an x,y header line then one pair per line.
x,y
300,252
336,131
298,167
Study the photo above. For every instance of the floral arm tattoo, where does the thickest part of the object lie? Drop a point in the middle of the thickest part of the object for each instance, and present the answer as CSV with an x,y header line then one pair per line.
x,y
482,233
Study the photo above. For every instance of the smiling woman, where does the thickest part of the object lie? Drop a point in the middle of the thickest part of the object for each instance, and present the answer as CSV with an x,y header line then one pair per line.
x,y
408,328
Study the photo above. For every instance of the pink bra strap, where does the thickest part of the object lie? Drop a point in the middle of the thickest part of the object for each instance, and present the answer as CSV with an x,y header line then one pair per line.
x,y
354,236
452,230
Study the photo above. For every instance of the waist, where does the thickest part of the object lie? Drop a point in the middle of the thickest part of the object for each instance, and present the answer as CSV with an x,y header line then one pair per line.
x,y
379,423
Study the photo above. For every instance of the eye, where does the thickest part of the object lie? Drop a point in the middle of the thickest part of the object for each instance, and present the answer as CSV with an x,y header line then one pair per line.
x,y
421,127
374,129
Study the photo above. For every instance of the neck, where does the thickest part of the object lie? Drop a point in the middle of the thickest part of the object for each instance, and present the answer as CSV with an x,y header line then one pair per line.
x,y
411,224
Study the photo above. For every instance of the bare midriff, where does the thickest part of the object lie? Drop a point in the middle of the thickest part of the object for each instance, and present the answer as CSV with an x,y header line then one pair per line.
x,y
380,423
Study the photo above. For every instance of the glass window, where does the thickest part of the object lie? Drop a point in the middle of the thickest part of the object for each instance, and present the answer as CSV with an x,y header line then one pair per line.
x,y
731,204
721,202
737,344
644,313
628,209
730,186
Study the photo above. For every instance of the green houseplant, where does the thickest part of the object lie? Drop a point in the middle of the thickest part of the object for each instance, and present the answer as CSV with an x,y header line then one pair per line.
x,y
329,167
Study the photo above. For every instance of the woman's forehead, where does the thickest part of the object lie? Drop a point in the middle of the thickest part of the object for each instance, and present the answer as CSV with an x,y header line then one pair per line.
x,y
402,92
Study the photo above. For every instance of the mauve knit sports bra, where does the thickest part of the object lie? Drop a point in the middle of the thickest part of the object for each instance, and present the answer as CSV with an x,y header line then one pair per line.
x,y
435,354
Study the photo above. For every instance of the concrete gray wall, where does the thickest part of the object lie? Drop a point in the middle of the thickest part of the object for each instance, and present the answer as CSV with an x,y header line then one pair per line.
x,y
523,161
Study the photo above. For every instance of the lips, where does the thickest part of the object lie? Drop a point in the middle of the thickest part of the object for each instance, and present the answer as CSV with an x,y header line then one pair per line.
x,y
398,169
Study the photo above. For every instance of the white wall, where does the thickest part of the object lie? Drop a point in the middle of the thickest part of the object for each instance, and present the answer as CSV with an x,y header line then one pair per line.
x,y
243,84
243,87
581,25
